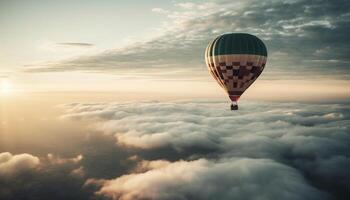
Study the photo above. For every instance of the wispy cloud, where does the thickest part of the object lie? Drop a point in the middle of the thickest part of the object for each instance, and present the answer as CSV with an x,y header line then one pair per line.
x,y
74,44
160,10
298,30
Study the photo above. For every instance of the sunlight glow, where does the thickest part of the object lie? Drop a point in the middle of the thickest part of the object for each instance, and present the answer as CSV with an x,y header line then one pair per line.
x,y
5,87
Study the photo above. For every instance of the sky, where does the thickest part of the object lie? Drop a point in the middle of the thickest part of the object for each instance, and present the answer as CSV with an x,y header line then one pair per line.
x,y
158,46
111,99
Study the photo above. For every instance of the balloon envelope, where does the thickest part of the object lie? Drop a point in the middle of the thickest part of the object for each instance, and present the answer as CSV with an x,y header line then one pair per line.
x,y
236,60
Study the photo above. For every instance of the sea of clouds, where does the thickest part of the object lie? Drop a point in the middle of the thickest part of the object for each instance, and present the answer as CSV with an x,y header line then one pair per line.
x,y
193,150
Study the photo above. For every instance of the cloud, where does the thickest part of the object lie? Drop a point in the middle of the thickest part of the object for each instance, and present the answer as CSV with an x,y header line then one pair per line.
x,y
74,44
152,125
11,165
25,176
284,26
307,144
146,165
160,10
191,150
54,159
203,179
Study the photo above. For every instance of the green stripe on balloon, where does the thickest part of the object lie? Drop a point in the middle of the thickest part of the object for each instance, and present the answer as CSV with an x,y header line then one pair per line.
x,y
237,43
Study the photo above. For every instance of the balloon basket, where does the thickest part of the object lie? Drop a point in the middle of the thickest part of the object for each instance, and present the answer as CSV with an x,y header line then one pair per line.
x,y
234,107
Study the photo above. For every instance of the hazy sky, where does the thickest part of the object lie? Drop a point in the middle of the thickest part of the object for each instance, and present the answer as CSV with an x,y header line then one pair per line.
x,y
146,46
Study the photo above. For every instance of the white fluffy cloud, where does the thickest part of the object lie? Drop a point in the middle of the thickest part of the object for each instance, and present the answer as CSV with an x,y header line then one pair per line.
x,y
14,164
154,125
238,178
299,147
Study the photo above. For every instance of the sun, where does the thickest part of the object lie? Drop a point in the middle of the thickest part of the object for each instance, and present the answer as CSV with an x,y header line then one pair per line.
x,y
5,87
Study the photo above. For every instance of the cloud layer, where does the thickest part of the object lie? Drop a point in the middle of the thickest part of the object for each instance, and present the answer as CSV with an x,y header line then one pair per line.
x,y
191,150
292,146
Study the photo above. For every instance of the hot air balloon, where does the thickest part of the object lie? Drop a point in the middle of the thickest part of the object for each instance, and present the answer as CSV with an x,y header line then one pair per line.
x,y
235,60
